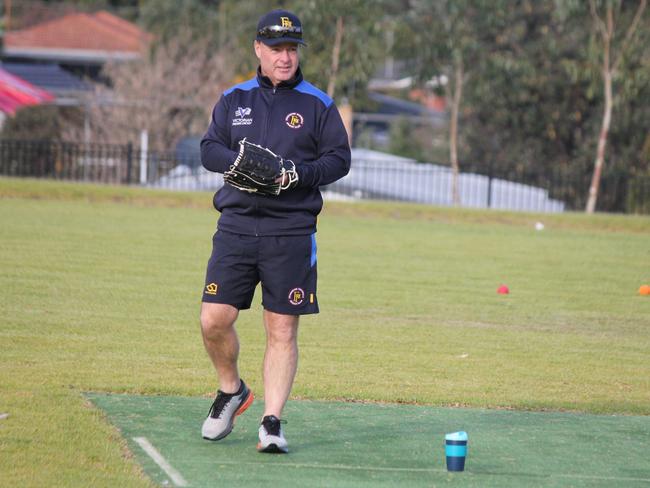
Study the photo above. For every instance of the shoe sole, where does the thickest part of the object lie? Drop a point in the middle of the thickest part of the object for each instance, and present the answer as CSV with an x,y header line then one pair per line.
x,y
272,449
242,408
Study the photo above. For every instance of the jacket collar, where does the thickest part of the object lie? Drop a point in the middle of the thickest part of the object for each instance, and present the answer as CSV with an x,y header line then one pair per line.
x,y
265,82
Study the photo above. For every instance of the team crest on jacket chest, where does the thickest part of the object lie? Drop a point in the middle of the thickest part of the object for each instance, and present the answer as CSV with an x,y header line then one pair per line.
x,y
242,116
294,120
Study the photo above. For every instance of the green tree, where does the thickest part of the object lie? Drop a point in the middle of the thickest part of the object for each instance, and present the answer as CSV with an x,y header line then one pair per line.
x,y
345,44
444,41
535,104
165,18
527,108
41,122
607,18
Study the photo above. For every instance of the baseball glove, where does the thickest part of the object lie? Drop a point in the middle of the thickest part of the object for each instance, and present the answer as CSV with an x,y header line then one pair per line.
x,y
258,170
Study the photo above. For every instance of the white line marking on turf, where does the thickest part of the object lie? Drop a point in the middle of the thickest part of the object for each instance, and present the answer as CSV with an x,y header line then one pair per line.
x,y
153,453
343,467
424,470
3,416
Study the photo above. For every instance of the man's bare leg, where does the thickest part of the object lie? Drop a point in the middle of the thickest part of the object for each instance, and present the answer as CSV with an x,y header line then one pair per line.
x,y
221,342
222,345
280,360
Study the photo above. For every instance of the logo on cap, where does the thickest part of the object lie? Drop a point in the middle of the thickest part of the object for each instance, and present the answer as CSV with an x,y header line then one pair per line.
x,y
294,120
279,26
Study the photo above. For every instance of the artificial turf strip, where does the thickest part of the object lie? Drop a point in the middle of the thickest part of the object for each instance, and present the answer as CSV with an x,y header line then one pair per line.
x,y
367,444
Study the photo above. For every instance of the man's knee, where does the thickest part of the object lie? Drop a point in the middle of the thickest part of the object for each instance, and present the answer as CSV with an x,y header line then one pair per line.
x,y
281,329
217,317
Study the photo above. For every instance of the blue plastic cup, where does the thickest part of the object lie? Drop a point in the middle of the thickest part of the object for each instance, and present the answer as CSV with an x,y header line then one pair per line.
x,y
456,451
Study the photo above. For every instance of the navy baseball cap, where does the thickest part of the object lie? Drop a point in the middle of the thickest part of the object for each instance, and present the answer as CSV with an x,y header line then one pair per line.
x,y
279,26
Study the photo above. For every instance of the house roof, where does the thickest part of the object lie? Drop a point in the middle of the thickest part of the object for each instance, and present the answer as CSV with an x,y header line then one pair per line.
x,y
78,37
16,93
50,77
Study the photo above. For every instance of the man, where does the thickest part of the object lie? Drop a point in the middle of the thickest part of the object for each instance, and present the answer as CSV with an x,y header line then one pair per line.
x,y
267,239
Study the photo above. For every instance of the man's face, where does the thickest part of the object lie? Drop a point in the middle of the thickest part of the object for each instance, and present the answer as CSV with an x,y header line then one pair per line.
x,y
278,62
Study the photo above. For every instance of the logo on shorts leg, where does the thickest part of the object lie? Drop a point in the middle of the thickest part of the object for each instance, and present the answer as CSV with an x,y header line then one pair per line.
x,y
211,289
296,296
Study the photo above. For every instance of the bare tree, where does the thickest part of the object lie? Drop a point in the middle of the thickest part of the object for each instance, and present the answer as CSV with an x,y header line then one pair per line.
x,y
606,29
336,57
444,38
455,95
169,92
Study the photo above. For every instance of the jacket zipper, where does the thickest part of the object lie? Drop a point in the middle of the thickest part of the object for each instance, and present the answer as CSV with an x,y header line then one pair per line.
x,y
267,123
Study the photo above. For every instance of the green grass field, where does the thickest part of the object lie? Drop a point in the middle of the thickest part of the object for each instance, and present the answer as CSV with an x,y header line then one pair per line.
x,y
101,289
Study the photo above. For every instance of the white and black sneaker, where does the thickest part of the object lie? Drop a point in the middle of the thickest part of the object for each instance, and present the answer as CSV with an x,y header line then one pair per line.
x,y
271,436
224,409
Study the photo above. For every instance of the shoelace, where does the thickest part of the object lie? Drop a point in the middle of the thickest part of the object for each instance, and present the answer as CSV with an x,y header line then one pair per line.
x,y
219,404
272,424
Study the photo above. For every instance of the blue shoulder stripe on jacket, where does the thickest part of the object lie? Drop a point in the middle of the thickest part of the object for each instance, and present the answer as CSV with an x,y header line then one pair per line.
x,y
245,86
306,87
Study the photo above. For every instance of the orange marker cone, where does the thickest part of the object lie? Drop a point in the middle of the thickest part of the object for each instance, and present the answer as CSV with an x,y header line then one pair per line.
x,y
644,290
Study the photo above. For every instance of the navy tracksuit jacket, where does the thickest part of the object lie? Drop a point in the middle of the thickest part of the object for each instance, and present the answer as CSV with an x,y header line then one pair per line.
x,y
294,120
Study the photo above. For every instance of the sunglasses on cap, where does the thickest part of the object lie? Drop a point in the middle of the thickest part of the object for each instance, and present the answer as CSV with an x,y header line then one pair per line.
x,y
277,31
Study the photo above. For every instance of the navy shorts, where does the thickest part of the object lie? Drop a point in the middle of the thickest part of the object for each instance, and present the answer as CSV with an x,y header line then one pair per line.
x,y
285,265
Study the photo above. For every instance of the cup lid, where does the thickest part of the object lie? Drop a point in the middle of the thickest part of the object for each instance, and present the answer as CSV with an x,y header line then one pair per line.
x,y
456,436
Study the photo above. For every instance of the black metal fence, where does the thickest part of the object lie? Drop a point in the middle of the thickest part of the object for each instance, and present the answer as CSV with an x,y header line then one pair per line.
x,y
373,176
101,163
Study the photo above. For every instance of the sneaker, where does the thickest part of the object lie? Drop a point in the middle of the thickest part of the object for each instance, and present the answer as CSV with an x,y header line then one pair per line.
x,y
224,409
271,436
